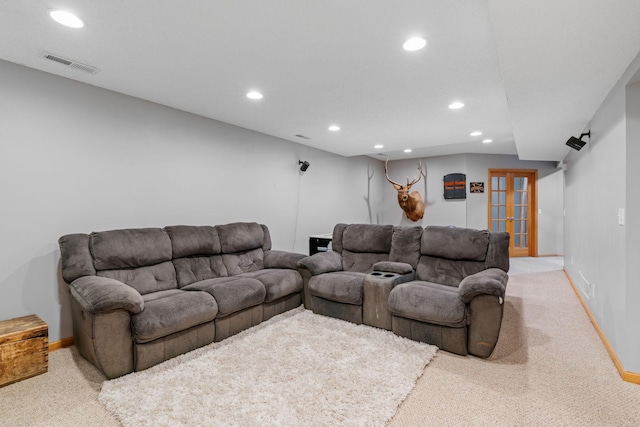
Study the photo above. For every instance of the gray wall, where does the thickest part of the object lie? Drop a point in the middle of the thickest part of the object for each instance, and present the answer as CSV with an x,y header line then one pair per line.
x,y
473,211
76,158
602,256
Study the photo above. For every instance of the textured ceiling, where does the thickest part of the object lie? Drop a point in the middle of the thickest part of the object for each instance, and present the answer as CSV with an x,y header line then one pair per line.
x,y
531,73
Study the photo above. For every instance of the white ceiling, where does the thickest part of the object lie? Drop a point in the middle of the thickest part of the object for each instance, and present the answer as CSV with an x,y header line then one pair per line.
x,y
530,72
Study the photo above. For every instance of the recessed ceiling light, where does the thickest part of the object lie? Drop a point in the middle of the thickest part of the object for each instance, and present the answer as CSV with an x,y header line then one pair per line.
x,y
408,150
415,43
66,18
487,141
254,95
378,146
475,133
456,105
334,128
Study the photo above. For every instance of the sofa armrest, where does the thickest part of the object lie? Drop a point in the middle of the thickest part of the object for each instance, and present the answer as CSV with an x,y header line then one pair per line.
x,y
282,259
492,281
393,267
322,262
101,294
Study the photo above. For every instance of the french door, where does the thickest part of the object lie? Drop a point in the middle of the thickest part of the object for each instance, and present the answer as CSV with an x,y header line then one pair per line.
x,y
512,208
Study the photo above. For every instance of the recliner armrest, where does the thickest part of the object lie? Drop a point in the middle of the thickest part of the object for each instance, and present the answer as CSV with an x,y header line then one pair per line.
x,y
393,267
322,262
491,281
282,259
101,294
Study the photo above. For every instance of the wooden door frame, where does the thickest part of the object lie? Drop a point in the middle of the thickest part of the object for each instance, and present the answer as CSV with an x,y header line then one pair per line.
x,y
532,188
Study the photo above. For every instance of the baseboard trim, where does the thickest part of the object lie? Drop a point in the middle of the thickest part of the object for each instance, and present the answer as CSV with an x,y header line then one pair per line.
x,y
631,377
57,345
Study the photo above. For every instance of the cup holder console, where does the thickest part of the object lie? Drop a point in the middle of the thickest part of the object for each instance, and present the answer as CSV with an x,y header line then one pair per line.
x,y
377,273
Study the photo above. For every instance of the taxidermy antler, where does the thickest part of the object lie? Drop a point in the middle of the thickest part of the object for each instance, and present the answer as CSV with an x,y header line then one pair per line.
x,y
410,203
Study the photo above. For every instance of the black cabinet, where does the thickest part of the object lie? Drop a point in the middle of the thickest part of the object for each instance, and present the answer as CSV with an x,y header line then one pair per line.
x,y
319,243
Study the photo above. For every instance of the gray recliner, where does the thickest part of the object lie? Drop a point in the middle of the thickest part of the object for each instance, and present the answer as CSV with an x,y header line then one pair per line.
x,y
334,280
456,301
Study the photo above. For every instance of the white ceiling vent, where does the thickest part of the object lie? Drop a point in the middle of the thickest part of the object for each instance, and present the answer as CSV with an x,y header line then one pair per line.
x,y
70,63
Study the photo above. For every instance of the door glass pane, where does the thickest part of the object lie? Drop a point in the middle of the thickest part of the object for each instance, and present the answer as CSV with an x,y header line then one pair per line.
x,y
517,197
525,212
524,226
503,226
503,211
503,183
525,198
517,226
517,211
524,240
517,184
494,226
494,183
494,198
503,198
494,212
517,240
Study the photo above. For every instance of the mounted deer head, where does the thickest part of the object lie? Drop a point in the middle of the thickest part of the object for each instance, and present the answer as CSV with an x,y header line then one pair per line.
x,y
410,203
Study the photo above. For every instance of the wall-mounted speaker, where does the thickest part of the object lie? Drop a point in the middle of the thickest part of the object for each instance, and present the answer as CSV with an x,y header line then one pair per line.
x,y
578,143
303,165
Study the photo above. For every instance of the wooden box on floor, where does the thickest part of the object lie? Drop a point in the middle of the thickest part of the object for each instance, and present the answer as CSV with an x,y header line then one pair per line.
x,y
24,348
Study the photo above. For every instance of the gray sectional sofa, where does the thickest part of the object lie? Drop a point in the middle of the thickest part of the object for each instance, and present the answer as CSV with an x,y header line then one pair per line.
x,y
441,285
142,296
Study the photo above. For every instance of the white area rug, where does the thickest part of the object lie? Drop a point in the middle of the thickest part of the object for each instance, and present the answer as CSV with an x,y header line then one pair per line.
x,y
296,369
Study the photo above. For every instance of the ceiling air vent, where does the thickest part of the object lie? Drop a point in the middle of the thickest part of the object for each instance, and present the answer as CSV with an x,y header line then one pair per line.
x,y
70,63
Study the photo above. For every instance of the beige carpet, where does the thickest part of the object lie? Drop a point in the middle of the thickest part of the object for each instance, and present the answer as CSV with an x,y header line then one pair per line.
x,y
297,369
549,368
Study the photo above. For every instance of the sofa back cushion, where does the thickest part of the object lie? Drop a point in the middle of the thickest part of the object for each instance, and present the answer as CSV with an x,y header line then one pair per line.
x,y
463,244
195,269
367,238
190,240
405,245
242,247
449,254
362,245
145,280
129,248
240,237
75,257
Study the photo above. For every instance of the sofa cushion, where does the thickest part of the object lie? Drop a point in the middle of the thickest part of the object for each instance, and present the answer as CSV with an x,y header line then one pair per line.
x,y
232,294
278,283
189,240
367,238
129,248
361,262
405,245
240,237
194,269
154,278
339,286
446,271
336,242
455,243
171,311
243,262
75,257
428,302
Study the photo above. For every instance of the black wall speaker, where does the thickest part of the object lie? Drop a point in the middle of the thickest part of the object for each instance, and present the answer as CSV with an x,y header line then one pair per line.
x,y
304,165
576,143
